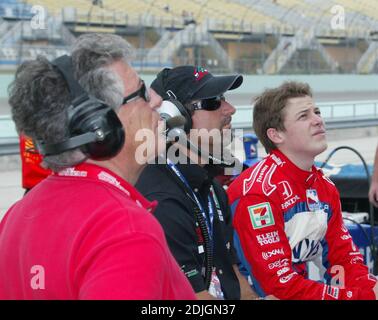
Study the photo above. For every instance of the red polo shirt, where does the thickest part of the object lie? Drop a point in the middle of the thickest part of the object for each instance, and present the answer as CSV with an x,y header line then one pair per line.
x,y
85,233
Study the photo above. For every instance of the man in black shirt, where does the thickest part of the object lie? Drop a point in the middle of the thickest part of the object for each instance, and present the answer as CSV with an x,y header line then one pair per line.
x,y
193,208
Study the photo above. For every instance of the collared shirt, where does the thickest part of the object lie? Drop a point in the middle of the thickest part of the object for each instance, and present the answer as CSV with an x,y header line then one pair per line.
x,y
175,212
286,217
85,233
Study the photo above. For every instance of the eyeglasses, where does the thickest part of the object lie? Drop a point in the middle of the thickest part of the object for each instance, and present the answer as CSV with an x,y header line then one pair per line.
x,y
142,92
209,104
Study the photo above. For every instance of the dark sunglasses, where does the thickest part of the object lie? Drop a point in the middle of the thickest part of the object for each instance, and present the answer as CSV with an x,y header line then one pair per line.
x,y
142,92
209,104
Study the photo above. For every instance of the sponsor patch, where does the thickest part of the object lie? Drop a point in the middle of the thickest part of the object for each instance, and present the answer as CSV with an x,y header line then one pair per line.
x,y
261,174
286,191
279,263
346,237
200,72
261,215
72,172
268,254
277,160
282,271
248,183
287,278
333,292
289,202
104,176
267,186
268,238
356,260
313,200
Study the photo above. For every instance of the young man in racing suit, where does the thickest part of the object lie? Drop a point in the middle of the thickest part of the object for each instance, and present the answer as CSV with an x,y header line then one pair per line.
x,y
288,213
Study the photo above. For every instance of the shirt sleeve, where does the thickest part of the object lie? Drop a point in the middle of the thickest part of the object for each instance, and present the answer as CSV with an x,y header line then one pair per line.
x,y
346,260
260,226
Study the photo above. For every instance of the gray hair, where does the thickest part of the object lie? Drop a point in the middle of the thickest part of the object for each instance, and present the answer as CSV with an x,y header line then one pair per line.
x,y
39,95
91,55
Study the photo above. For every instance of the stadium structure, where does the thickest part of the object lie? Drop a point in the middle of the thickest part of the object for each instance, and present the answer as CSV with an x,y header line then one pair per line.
x,y
246,36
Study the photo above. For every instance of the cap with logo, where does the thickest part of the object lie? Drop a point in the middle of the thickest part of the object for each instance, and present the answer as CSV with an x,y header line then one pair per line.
x,y
189,83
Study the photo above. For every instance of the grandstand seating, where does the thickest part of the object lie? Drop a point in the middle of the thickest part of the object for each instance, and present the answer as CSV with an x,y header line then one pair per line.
x,y
230,14
219,14
55,7
14,9
305,8
366,7
242,34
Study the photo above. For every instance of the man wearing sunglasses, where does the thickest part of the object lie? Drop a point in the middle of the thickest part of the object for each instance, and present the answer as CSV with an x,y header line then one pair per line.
x,y
192,206
85,232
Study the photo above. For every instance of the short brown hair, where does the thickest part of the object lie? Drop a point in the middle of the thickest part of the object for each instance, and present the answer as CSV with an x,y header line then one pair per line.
x,y
268,109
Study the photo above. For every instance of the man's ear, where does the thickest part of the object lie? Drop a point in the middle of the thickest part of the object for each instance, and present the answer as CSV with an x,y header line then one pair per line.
x,y
275,135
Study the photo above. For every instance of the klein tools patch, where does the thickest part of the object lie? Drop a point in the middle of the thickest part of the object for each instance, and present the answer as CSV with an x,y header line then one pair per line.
x,y
313,202
261,215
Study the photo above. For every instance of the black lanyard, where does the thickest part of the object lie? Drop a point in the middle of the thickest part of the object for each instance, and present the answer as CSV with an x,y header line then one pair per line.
x,y
209,221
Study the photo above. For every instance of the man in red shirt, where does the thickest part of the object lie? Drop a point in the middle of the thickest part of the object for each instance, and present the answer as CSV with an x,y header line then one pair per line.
x,y
84,232
32,171
288,213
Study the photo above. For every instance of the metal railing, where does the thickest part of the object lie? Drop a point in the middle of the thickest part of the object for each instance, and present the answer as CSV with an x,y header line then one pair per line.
x,y
337,115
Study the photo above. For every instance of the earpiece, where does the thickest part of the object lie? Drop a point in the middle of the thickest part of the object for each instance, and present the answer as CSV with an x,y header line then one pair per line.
x,y
93,126
171,107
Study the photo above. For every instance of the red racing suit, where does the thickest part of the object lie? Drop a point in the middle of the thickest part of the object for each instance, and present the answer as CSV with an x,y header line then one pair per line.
x,y
286,217
32,172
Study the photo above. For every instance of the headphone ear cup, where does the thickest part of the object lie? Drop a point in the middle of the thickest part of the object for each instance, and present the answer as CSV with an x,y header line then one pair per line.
x,y
93,115
185,113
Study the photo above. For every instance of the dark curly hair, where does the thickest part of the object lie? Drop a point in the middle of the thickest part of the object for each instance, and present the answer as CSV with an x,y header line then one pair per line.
x,y
39,95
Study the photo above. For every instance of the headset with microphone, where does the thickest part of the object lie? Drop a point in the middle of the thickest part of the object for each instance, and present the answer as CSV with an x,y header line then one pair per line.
x,y
175,132
179,122
93,126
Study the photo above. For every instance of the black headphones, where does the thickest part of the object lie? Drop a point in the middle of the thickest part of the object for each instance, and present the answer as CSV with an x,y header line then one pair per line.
x,y
93,126
170,103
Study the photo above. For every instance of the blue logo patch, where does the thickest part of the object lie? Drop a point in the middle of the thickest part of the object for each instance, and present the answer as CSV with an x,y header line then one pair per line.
x,y
313,202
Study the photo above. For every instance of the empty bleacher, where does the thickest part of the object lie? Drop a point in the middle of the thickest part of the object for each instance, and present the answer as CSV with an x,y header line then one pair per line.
x,y
242,35
226,15
366,7
14,9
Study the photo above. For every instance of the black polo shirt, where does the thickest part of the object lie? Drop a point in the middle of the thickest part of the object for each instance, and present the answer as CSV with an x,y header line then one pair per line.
x,y
175,212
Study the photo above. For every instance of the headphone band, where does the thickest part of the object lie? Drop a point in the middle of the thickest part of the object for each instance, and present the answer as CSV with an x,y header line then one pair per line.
x,y
64,65
69,144
93,126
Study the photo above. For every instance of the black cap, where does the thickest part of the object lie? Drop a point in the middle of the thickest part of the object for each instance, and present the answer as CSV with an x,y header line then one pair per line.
x,y
188,83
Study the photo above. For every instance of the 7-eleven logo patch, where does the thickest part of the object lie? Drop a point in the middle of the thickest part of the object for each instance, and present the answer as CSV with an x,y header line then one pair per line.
x,y
261,215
